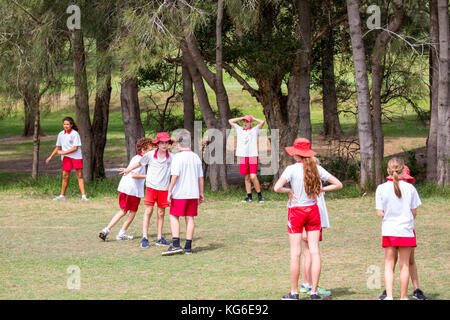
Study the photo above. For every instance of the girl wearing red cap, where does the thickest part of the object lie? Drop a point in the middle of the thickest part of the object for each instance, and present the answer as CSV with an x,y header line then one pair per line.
x,y
247,151
305,178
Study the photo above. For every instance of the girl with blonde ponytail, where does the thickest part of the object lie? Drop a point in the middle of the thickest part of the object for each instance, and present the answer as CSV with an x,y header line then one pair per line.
x,y
396,203
305,178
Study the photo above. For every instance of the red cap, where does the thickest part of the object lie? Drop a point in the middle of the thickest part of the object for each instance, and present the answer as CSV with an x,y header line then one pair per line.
x,y
406,176
301,147
162,136
248,118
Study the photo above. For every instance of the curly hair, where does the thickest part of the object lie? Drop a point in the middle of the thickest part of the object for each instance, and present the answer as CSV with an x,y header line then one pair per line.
x,y
311,176
143,143
395,169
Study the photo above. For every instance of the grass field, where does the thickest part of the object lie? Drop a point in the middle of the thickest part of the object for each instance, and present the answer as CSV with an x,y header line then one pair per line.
x,y
240,251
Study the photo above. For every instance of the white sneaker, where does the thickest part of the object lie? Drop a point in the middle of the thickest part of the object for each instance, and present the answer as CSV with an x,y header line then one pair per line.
x,y
123,236
103,234
84,198
59,198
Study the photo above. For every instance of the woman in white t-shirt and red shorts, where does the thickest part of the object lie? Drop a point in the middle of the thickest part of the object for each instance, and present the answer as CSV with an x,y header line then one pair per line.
x,y
396,203
68,145
303,214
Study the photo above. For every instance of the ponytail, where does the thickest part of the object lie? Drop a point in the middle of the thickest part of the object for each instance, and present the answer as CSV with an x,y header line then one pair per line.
x,y
395,169
312,177
72,122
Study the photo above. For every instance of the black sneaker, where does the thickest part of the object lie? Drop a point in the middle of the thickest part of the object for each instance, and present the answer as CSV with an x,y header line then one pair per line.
x,y
247,200
187,251
418,295
102,235
382,296
315,296
172,250
290,296
260,199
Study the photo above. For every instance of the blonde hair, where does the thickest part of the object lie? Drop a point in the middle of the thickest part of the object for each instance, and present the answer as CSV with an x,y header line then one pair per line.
x,y
395,169
312,177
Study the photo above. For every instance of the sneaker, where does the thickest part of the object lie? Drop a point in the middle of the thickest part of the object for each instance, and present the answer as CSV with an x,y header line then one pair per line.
x,y
321,292
260,199
59,198
315,296
103,234
404,298
290,296
247,200
124,236
418,295
162,242
382,296
84,198
305,289
187,251
172,250
387,298
144,243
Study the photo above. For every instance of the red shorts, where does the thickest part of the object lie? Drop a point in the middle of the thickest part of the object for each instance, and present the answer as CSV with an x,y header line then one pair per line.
x,y
248,165
389,241
128,203
69,164
158,196
184,207
304,217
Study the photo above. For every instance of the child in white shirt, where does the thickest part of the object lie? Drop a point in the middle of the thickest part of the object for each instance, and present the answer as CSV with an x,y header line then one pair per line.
x,y
131,190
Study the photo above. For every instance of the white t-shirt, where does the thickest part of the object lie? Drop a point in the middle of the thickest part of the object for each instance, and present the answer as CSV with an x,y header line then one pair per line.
x,y
247,141
67,141
188,167
130,185
294,175
158,171
398,220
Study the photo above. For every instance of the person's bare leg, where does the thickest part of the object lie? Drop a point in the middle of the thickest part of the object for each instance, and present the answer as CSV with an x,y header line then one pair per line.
x,y
295,240
403,261
413,270
146,220
255,181
115,219
129,220
316,266
390,254
190,226
175,226
248,185
80,178
160,222
306,260
65,182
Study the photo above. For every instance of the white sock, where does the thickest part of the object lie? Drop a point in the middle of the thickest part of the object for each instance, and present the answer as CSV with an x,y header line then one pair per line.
x,y
313,293
294,292
306,285
121,232
106,230
83,196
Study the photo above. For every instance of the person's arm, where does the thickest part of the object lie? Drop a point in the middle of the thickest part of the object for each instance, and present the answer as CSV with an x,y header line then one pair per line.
x,y
60,152
380,213
414,212
55,151
233,121
279,187
173,180
335,184
200,189
126,171
260,123
138,176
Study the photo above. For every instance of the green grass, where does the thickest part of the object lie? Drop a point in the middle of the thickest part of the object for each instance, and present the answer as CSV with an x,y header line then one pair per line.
x,y
240,251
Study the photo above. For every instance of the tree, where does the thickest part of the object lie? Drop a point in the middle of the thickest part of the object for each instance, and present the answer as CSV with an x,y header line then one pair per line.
x,y
362,86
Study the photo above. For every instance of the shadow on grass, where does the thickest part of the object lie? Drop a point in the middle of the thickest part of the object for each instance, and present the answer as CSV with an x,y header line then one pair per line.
x,y
211,246
340,292
431,296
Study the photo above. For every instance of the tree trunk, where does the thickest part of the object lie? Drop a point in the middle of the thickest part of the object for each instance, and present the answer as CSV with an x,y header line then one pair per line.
x,y
362,87
131,113
188,100
30,108
331,124
377,80
101,109
304,16
443,136
434,106
82,103
34,102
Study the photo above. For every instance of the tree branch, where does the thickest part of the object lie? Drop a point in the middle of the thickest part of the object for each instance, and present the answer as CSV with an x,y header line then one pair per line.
x,y
245,85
